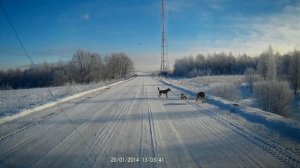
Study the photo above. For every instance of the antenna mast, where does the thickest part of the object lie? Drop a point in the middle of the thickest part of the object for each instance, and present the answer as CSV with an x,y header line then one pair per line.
x,y
164,67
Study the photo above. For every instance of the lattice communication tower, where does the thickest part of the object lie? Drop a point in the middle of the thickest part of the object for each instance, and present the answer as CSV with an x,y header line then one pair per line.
x,y
164,66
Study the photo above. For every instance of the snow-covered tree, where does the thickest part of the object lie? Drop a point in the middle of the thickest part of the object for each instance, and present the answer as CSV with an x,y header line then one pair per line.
x,y
283,66
118,65
251,77
266,66
81,64
294,71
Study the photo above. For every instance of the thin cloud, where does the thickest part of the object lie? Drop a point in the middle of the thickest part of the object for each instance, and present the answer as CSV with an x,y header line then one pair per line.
x,y
280,30
86,16
181,5
252,35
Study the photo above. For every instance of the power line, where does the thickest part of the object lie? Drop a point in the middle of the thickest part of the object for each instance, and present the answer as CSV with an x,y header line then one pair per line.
x,y
15,32
41,77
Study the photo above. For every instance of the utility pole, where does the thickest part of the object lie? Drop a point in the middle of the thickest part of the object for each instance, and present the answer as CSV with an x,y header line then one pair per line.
x,y
164,67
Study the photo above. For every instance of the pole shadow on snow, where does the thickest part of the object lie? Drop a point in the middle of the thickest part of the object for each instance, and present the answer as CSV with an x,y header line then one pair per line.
x,y
174,104
182,115
92,101
196,149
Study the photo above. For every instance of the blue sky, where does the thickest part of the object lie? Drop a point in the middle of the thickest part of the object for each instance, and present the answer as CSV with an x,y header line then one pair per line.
x,y
53,30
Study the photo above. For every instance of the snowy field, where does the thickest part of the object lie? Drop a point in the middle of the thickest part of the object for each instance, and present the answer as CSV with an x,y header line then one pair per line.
x,y
127,125
15,101
242,95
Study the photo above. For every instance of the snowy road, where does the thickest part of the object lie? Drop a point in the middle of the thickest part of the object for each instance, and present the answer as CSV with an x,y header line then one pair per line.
x,y
128,126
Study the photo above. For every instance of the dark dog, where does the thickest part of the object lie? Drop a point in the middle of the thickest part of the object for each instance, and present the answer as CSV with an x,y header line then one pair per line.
x,y
201,95
164,92
182,96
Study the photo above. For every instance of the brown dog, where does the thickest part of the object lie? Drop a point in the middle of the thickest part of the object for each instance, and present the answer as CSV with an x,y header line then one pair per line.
x,y
166,91
182,96
201,95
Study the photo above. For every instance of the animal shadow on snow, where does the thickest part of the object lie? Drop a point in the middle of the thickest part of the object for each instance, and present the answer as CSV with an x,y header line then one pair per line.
x,y
174,104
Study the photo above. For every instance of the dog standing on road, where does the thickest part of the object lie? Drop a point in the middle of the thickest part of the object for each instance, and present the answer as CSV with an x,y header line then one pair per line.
x,y
201,96
182,96
166,91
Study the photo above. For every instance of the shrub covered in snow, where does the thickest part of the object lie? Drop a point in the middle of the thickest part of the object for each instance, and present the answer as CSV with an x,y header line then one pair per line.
x,y
273,96
227,91
234,79
251,77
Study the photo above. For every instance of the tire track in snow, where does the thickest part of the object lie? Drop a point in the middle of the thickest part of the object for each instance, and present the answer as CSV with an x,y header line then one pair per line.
x,y
58,104
152,132
104,134
37,123
94,111
217,133
33,142
124,109
276,150
8,136
209,128
284,155
170,125
142,127
173,129
77,112
74,131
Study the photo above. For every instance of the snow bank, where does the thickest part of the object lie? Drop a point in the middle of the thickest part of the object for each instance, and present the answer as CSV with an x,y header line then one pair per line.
x,y
286,127
51,104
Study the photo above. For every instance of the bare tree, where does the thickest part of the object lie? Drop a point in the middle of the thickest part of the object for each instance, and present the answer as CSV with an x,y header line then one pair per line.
x,y
118,65
294,71
127,65
97,68
113,66
85,67
81,66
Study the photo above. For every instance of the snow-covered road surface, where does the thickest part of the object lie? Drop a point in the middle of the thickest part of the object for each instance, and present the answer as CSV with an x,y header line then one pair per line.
x,y
128,126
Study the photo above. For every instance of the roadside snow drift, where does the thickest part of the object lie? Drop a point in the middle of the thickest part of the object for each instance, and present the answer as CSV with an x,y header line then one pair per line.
x,y
51,104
